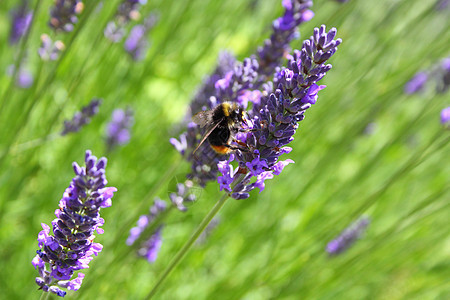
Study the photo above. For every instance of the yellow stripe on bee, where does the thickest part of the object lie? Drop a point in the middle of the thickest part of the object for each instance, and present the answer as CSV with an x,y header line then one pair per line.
x,y
226,108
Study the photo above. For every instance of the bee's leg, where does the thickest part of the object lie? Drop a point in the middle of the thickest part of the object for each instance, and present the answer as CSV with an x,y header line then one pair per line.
x,y
247,130
245,149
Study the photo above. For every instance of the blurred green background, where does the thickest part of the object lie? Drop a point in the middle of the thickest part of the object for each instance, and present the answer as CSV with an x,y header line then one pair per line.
x,y
272,245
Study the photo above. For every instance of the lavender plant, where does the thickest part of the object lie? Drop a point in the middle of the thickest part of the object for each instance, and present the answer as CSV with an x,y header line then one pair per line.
x,y
148,232
137,42
49,49
64,14
149,247
82,117
348,237
438,74
277,97
128,10
118,129
274,115
21,19
445,117
71,246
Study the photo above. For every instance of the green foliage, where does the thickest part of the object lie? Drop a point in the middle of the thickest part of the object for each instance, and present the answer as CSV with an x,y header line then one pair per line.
x,y
272,244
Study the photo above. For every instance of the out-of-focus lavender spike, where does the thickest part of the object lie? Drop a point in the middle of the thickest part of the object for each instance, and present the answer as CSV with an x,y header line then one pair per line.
x,y
183,195
284,31
149,248
20,22
71,246
63,15
82,118
445,117
348,237
118,129
24,77
417,83
50,50
137,42
128,10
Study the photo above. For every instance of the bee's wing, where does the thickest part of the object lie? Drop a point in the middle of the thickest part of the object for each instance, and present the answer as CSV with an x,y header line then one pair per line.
x,y
205,136
202,118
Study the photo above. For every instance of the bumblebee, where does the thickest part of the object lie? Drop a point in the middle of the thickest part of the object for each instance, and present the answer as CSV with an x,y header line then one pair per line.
x,y
222,124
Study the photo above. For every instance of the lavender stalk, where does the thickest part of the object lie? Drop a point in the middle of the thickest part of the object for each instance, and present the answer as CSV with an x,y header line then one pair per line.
x,y
71,246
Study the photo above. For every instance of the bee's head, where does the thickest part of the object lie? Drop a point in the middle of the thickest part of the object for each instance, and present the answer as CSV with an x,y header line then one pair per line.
x,y
237,114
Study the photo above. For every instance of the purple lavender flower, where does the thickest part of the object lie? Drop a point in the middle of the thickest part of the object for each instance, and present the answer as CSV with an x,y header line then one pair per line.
x,y
83,117
240,82
24,77
128,10
118,130
442,4
137,42
183,195
63,15
284,32
150,247
417,83
21,20
50,50
71,246
347,237
445,117
113,32
276,118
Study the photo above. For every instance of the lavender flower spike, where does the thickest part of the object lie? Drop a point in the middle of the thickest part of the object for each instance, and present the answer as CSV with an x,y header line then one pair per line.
x,y
82,118
276,118
118,130
137,42
21,19
71,246
50,50
149,248
347,237
445,117
417,83
128,10
63,15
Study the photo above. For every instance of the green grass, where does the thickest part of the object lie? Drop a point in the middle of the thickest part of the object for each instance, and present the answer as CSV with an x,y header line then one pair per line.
x,y
270,246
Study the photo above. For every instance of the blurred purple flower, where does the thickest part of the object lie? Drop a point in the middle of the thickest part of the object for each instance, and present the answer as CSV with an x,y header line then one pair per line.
x,y
183,195
118,129
50,50
21,20
445,117
279,97
137,42
442,4
24,78
71,246
63,15
128,10
149,247
347,237
83,117
152,246
417,83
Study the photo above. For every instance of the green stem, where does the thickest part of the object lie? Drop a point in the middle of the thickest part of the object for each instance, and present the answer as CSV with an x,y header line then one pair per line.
x,y
182,252
44,295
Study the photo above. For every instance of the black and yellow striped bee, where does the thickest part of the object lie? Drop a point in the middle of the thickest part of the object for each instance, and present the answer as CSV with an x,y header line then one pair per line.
x,y
222,124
